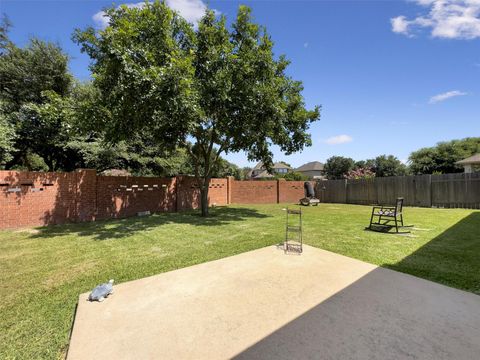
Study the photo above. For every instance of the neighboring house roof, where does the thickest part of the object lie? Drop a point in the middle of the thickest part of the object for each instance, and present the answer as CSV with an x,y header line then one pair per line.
x,y
259,166
311,166
263,174
475,159
277,165
281,165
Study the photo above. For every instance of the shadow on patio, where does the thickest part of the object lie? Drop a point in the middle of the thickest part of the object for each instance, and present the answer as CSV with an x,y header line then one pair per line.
x,y
382,315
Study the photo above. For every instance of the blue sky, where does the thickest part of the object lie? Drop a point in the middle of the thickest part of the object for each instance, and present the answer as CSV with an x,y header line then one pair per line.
x,y
391,76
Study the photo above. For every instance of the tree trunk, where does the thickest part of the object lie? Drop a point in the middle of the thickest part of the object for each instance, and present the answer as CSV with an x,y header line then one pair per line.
x,y
204,197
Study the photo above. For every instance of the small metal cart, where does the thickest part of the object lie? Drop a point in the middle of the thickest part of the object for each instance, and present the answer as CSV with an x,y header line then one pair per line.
x,y
293,234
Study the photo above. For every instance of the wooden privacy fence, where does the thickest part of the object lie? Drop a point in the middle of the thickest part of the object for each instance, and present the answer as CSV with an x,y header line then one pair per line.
x,y
448,190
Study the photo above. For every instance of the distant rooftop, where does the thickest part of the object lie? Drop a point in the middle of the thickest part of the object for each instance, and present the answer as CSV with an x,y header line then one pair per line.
x,y
474,159
277,165
311,166
264,174
281,165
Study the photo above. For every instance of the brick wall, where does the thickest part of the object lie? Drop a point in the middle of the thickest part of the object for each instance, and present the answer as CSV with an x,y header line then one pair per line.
x,y
290,191
188,193
86,195
218,192
124,196
38,198
265,192
254,192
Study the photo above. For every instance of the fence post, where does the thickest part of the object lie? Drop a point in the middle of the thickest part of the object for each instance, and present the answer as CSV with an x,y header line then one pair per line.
x,y
346,191
430,196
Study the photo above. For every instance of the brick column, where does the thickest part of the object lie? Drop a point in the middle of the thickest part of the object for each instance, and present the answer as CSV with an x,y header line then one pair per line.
x,y
175,193
230,181
280,185
178,184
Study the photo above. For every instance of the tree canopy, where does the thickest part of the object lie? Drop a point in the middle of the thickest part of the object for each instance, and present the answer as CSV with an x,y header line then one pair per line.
x,y
336,167
339,167
384,165
49,121
440,159
29,78
209,90
7,137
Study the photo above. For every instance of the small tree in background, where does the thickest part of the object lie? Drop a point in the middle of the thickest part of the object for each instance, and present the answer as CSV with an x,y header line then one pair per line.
x,y
211,90
365,164
360,173
295,175
384,165
337,167
245,173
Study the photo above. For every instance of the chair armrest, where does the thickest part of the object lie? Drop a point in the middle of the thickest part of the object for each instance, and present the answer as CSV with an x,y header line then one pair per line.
x,y
389,208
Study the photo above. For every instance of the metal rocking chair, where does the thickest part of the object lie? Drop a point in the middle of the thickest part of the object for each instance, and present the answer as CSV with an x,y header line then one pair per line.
x,y
386,214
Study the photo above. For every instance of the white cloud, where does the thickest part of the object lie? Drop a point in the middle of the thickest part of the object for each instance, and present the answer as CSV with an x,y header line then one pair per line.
x,y
451,19
191,10
447,95
400,25
339,139
100,19
305,45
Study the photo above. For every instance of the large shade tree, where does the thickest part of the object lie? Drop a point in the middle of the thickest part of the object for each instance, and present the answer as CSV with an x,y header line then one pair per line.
x,y
33,80
209,89
7,137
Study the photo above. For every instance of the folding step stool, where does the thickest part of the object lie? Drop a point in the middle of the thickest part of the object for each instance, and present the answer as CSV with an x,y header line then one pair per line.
x,y
293,234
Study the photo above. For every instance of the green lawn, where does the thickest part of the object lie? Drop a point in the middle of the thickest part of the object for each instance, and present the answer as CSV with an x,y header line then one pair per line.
x,y
42,271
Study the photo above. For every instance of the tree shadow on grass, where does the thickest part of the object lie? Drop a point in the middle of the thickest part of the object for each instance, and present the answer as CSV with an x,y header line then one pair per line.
x,y
122,228
451,258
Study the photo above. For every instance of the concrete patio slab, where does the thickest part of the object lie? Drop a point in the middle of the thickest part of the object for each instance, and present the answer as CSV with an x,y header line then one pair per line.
x,y
267,305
